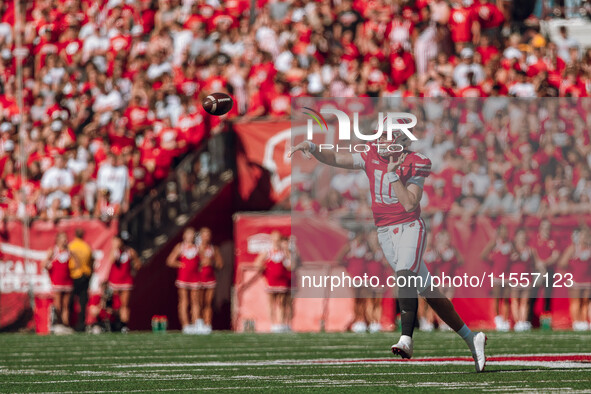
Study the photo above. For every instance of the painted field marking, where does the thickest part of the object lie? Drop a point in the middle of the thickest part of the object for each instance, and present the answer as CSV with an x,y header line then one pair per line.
x,y
540,360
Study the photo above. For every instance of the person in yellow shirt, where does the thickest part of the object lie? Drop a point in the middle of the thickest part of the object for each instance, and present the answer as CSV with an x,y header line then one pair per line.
x,y
81,275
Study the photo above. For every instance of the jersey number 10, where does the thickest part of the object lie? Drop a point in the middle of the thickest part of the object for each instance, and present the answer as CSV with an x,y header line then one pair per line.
x,y
382,190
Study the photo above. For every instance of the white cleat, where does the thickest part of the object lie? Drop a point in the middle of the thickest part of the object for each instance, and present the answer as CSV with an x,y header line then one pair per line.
x,y
189,330
478,355
499,323
205,330
580,326
199,324
505,326
426,326
404,347
359,327
375,327
60,329
522,326
199,327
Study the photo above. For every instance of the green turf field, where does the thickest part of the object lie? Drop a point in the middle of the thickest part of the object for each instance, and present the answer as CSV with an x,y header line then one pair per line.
x,y
146,362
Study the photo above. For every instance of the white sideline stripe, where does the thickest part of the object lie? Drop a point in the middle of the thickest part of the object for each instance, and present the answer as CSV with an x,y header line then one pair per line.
x,y
314,379
163,390
536,354
198,357
96,380
327,380
322,362
175,374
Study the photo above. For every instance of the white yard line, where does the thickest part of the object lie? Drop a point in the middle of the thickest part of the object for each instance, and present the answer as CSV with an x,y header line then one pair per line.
x,y
322,362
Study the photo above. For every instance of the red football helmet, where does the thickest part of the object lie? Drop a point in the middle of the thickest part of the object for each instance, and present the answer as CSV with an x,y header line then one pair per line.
x,y
396,145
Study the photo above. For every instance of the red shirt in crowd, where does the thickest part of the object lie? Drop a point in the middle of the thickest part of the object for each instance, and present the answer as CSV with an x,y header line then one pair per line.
x,y
402,67
461,20
488,15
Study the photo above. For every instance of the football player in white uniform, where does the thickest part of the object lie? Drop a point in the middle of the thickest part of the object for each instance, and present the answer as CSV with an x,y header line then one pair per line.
x,y
396,184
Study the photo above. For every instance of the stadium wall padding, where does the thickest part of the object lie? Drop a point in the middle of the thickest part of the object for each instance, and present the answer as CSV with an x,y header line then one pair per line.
x,y
335,314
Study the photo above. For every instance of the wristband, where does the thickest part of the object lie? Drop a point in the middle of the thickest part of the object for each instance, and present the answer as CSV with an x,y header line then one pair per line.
x,y
312,146
392,177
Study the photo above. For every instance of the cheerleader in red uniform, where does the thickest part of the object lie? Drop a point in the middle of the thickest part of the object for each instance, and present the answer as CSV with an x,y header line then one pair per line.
x,y
426,316
577,261
447,263
521,262
353,257
449,259
290,261
546,255
185,257
272,265
101,307
496,255
124,263
211,259
57,263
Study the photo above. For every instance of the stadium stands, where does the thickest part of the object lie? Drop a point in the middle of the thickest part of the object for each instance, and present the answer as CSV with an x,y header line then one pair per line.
x,y
112,92
114,88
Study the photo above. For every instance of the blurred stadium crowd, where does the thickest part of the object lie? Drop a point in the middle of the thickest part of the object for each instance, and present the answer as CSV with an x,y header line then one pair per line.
x,y
112,91
506,157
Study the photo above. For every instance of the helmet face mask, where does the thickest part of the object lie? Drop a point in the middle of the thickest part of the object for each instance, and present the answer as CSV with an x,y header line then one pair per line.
x,y
389,148
400,138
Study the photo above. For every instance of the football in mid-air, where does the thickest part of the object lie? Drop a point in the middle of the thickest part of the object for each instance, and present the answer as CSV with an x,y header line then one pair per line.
x,y
217,103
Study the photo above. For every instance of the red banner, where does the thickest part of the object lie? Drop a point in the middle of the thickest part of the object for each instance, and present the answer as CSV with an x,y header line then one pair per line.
x,y
264,171
264,147
21,271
